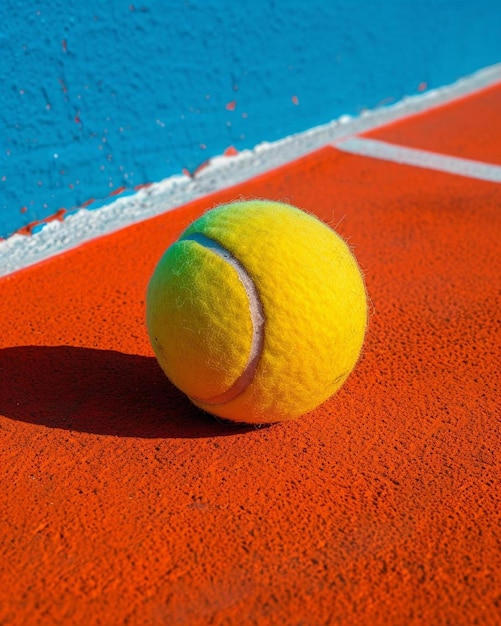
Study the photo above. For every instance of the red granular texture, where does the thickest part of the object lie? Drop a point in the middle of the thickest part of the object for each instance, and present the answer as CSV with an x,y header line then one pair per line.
x,y
123,504
468,128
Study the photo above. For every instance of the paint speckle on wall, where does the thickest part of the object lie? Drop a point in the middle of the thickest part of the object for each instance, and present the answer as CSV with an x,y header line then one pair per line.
x,y
129,93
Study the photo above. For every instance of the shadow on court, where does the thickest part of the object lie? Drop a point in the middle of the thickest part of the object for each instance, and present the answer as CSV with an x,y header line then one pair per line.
x,y
99,391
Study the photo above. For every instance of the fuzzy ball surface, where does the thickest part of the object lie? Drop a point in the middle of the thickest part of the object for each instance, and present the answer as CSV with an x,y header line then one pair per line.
x,y
258,312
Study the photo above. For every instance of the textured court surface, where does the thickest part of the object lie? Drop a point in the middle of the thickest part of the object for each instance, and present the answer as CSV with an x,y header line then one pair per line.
x,y
123,504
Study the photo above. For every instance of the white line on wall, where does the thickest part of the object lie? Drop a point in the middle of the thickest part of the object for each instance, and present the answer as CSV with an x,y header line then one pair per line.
x,y
19,251
377,149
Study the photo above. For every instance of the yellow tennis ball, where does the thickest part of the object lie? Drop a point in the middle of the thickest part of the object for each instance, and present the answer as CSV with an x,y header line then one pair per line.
x,y
258,312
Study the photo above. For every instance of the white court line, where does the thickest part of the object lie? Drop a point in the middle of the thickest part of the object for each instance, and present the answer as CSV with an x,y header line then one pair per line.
x,y
420,158
18,252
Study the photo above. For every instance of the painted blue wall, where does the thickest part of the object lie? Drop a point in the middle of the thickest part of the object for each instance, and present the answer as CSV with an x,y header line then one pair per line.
x,y
97,95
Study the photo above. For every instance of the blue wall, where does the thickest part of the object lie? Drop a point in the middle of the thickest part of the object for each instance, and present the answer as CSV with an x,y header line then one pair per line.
x,y
98,95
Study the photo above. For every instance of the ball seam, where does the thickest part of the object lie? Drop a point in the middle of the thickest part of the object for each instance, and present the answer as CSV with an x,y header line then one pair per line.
x,y
257,316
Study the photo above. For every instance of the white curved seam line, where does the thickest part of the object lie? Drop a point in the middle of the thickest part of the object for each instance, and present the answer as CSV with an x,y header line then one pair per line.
x,y
256,312
420,158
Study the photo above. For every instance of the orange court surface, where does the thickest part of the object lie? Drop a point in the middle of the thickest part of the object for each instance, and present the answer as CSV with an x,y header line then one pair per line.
x,y
124,504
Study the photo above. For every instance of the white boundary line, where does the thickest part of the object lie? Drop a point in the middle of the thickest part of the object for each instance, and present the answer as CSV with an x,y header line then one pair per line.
x,y
420,158
18,252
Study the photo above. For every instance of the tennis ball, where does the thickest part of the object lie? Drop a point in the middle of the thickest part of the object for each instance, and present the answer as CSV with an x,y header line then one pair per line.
x,y
258,312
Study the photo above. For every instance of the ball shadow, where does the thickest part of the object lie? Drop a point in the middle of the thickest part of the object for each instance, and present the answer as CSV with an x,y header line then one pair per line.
x,y
99,391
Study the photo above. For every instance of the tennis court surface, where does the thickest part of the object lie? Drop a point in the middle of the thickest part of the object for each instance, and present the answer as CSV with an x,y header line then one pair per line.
x,y
124,504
